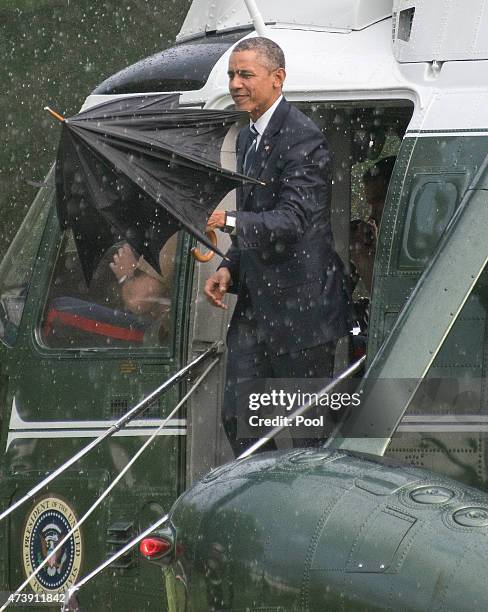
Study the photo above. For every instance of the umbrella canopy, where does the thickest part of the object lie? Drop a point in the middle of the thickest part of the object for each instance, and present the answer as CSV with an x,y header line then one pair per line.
x,y
139,169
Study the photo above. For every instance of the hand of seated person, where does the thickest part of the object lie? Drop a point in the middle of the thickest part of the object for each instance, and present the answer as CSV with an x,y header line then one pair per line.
x,y
144,292
143,295
124,263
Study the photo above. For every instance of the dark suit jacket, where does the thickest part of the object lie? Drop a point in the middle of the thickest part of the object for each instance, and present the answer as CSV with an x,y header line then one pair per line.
x,y
282,258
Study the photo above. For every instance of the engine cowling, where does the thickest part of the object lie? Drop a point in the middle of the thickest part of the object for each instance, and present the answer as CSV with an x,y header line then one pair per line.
x,y
318,530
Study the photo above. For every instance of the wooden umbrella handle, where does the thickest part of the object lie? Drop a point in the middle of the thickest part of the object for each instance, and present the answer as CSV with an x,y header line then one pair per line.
x,y
55,114
204,257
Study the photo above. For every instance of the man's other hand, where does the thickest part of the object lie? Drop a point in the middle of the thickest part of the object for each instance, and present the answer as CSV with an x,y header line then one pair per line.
x,y
216,220
216,287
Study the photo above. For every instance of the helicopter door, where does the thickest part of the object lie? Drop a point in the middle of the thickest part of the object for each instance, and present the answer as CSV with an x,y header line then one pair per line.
x,y
364,138
360,134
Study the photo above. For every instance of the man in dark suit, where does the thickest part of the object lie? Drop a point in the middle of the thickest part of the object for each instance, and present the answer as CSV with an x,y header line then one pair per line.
x,y
292,306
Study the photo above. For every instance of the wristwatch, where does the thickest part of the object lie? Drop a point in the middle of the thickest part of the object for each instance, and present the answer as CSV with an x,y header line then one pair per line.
x,y
230,223
125,278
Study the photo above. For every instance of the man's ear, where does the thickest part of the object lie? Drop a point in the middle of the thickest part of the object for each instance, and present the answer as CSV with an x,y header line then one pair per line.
x,y
280,76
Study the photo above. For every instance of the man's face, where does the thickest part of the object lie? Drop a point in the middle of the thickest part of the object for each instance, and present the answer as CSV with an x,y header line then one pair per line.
x,y
253,87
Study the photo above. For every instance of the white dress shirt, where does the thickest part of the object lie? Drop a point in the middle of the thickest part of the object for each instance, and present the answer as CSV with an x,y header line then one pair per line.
x,y
262,123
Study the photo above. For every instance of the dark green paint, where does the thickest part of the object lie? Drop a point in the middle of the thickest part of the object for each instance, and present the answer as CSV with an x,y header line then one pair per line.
x,y
63,385
456,158
324,530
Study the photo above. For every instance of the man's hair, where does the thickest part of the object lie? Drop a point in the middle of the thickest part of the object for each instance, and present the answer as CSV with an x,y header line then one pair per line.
x,y
382,170
270,52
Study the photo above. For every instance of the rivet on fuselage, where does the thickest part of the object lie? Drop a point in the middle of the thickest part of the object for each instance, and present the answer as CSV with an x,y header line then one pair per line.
x,y
431,495
471,517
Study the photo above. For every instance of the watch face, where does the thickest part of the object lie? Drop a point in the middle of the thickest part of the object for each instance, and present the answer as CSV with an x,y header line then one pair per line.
x,y
230,222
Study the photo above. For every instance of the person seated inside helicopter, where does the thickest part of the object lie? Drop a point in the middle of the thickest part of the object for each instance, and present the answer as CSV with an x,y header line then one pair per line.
x,y
364,233
144,291
126,303
362,247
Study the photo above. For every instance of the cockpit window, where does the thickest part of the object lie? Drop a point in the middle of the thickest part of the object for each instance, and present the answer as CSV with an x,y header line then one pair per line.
x,y
18,264
127,303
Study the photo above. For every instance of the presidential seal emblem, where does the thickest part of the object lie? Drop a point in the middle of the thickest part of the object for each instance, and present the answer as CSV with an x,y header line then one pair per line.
x,y
47,524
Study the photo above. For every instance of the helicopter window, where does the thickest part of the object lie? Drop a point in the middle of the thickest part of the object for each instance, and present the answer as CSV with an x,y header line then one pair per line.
x,y
18,264
127,303
433,200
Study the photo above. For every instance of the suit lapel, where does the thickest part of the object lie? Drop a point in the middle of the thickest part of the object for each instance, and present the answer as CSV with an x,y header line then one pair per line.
x,y
240,149
266,145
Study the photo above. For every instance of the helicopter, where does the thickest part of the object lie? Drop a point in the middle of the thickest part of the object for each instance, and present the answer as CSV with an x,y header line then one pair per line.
x,y
228,545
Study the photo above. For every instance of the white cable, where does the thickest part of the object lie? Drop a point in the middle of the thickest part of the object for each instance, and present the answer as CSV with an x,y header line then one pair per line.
x,y
117,426
299,411
72,590
112,484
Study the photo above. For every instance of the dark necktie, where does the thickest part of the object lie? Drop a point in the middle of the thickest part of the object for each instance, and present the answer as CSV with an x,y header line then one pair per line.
x,y
251,150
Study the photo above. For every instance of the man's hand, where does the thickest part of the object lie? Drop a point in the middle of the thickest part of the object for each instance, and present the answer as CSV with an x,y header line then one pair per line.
x,y
216,220
216,287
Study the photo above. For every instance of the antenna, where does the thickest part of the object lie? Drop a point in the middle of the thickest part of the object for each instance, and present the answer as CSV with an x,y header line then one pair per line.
x,y
256,17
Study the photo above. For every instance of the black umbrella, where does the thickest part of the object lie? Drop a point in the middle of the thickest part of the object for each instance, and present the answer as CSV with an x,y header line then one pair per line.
x,y
139,169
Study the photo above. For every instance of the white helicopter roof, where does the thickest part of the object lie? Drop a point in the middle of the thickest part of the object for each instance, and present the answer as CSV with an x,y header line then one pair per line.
x,y
220,15
318,63
441,31
360,64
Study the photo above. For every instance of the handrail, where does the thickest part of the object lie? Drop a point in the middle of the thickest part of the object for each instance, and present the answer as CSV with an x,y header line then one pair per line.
x,y
99,500
134,412
257,18
342,376
299,411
